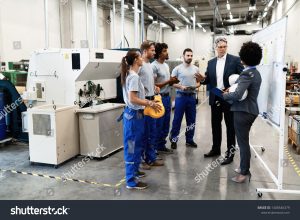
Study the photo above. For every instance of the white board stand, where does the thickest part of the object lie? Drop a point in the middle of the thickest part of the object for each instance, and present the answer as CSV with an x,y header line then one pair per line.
x,y
263,37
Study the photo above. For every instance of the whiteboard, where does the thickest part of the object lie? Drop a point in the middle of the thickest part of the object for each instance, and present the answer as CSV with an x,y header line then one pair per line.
x,y
272,41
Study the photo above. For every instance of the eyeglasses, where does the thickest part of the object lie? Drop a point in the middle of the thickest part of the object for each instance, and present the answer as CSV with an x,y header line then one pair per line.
x,y
220,47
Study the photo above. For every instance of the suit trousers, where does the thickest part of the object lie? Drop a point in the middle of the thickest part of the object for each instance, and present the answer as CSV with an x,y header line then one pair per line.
x,y
218,109
242,124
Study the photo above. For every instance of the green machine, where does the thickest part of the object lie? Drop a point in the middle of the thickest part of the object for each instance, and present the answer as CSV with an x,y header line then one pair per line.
x,y
17,72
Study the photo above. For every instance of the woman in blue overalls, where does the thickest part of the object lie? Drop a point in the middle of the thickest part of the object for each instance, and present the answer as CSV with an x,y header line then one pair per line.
x,y
133,117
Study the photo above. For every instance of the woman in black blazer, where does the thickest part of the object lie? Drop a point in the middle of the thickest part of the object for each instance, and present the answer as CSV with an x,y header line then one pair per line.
x,y
246,110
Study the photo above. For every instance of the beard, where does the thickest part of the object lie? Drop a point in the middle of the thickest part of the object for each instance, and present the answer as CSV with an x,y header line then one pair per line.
x,y
188,61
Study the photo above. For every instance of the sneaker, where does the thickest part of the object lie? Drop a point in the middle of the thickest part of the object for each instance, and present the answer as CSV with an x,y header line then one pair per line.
x,y
157,163
174,145
191,144
166,150
140,174
139,186
158,158
145,166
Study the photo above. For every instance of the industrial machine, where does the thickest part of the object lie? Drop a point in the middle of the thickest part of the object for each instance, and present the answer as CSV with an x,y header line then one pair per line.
x,y
53,134
100,131
68,77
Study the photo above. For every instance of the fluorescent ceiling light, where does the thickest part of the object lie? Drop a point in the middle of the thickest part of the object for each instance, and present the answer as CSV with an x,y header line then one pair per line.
x,y
183,9
270,3
150,17
265,14
228,6
252,8
249,23
204,30
139,11
163,24
177,28
199,25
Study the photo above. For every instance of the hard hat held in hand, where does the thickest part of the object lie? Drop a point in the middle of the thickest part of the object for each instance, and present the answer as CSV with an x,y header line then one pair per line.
x,y
149,111
233,88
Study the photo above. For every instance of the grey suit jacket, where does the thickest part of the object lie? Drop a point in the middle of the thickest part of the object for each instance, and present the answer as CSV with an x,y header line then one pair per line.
x,y
250,80
232,66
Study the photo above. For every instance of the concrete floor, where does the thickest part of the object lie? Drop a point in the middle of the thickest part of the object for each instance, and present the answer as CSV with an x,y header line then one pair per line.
x,y
176,180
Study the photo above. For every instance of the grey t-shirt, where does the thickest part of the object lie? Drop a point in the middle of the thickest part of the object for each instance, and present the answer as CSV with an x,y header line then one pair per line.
x,y
133,84
186,75
147,78
161,73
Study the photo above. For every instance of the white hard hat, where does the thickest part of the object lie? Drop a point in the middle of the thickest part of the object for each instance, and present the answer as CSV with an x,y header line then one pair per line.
x,y
233,78
233,88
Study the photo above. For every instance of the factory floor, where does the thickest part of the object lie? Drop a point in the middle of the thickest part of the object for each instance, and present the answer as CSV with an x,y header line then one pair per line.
x,y
175,180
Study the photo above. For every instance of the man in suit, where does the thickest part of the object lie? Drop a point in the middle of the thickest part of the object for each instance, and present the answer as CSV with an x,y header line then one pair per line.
x,y
218,71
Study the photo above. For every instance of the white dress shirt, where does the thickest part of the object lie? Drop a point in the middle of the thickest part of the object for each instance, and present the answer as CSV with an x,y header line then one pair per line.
x,y
220,71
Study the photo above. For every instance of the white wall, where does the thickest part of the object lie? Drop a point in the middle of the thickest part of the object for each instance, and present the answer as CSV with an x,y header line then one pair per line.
x,y
180,40
24,21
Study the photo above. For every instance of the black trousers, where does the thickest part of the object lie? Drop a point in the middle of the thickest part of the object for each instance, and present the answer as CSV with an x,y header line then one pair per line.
x,y
242,124
218,109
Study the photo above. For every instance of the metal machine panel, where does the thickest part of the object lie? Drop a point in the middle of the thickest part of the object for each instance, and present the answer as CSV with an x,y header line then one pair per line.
x,y
100,132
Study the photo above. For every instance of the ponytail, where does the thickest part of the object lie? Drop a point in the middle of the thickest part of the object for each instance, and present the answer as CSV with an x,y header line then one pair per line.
x,y
126,62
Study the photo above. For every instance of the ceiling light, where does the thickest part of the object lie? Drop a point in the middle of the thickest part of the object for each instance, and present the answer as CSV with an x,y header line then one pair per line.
x,y
154,22
249,23
137,9
252,8
183,9
163,24
204,30
228,6
270,3
177,28
231,17
199,25
150,17
265,14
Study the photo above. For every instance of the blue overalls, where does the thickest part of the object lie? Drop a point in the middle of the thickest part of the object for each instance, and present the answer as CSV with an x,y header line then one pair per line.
x,y
149,138
185,103
133,130
163,123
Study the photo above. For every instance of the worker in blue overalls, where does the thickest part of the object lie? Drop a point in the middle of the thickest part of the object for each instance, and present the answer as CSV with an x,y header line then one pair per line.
x,y
147,78
133,117
185,102
163,80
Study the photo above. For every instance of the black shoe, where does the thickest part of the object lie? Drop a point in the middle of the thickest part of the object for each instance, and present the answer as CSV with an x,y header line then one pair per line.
x,y
212,154
139,186
174,145
191,144
165,150
227,160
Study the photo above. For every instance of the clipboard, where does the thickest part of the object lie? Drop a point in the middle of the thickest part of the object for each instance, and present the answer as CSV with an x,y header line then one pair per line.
x,y
217,92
